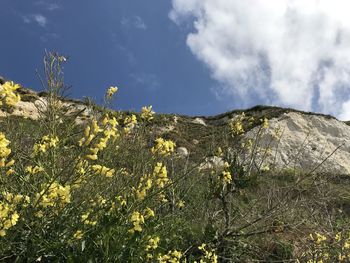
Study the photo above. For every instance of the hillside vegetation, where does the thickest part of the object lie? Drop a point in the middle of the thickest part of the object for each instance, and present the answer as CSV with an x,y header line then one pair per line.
x,y
113,186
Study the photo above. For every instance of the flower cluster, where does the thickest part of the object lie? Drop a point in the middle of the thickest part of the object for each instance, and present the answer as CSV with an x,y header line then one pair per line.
x,y
5,151
102,170
330,249
108,131
236,124
209,255
137,219
225,175
265,123
111,91
147,113
8,214
159,177
129,123
46,142
161,174
172,256
163,147
34,169
8,217
88,219
78,235
143,187
8,94
54,194
152,244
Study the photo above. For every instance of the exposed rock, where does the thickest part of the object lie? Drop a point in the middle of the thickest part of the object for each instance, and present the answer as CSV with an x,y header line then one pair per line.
x,y
195,142
306,141
166,129
182,152
199,121
213,162
32,104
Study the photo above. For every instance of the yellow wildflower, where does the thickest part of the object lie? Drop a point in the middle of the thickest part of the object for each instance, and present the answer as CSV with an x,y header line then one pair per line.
x,y
34,170
152,243
137,220
8,94
227,177
78,234
163,147
111,91
10,171
54,194
161,174
46,142
181,204
147,113
265,123
148,213
103,170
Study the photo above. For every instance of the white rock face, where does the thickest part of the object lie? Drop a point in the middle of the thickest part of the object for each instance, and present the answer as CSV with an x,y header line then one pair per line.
x,y
182,151
199,121
213,162
32,109
306,141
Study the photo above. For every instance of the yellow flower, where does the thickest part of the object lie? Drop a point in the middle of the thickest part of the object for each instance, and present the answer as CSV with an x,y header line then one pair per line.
x,y
4,150
236,125
152,243
111,91
227,177
181,204
130,122
10,171
10,163
161,174
147,113
137,220
265,123
163,147
171,257
46,142
54,195
78,234
34,170
8,94
92,157
102,170
148,213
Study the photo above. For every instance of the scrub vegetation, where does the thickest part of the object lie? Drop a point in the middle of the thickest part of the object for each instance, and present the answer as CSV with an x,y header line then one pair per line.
x,y
114,188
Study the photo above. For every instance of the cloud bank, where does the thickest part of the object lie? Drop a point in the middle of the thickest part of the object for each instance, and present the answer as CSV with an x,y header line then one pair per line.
x,y
285,52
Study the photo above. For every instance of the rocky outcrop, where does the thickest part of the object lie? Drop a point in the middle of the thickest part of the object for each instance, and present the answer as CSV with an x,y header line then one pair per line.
x,y
308,141
32,104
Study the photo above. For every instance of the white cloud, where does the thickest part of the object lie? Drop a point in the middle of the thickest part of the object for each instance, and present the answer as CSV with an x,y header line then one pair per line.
x,y
47,5
40,19
146,80
37,18
286,52
134,21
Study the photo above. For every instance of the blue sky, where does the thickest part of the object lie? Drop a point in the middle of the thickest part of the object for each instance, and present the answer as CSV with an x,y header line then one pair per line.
x,y
131,44
195,57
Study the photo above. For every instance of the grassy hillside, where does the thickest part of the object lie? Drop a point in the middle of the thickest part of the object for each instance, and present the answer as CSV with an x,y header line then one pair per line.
x,y
115,189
